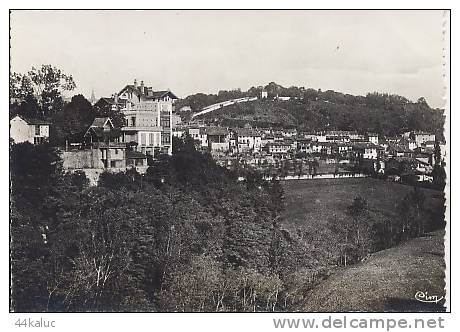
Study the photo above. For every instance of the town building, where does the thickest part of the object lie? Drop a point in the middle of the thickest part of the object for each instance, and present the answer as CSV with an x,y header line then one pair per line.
x,y
373,138
248,139
178,131
304,145
33,131
199,135
267,138
421,137
217,138
367,150
278,148
148,115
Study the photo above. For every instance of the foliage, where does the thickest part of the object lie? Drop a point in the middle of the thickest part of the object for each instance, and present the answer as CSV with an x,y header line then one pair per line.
x,y
72,122
115,114
439,172
46,84
315,110
186,236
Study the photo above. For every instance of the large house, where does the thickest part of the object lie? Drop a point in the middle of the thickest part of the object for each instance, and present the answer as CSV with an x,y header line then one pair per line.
x,y
278,148
247,139
217,138
148,117
103,151
373,138
29,130
367,150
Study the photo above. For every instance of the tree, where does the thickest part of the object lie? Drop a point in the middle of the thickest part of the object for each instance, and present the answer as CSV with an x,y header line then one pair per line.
x,y
35,172
49,83
438,173
46,84
360,225
20,87
73,121
411,211
422,101
276,192
28,107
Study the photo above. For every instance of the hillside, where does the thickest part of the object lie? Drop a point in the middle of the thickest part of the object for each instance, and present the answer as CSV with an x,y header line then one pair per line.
x,y
315,115
313,110
259,113
387,281
317,212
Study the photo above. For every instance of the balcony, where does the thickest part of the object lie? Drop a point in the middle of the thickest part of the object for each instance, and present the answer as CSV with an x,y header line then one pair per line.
x,y
142,128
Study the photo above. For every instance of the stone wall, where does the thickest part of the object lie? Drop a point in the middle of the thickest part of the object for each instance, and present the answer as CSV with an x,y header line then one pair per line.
x,y
93,174
80,159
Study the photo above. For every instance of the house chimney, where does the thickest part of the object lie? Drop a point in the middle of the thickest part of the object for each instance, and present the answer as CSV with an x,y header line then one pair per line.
x,y
115,98
135,83
142,86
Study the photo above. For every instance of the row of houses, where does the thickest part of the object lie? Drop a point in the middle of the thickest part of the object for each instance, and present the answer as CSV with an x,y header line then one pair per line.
x,y
413,151
147,131
241,140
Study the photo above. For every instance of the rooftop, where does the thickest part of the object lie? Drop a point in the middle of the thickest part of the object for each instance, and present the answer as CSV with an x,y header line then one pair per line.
x,y
147,92
100,122
33,121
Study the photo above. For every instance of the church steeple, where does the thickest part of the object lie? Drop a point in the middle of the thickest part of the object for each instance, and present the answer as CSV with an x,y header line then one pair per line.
x,y
93,98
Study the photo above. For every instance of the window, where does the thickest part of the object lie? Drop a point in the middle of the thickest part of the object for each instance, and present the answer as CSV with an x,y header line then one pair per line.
x,y
143,139
165,123
38,140
37,130
151,139
133,121
165,138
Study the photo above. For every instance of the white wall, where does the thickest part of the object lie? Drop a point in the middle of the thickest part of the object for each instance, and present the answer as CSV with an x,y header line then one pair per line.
x,y
20,131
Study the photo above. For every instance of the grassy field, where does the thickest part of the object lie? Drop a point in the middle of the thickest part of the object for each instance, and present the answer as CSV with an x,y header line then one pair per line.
x,y
387,281
311,203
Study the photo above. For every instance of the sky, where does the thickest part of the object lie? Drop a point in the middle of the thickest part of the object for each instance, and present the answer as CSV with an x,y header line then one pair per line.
x,y
188,52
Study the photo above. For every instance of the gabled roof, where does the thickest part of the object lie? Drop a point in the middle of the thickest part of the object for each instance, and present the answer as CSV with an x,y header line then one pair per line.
x,y
246,132
422,133
101,133
97,127
161,94
150,94
101,122
367,145
32,121
131,88
279,144
110,101
214,131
